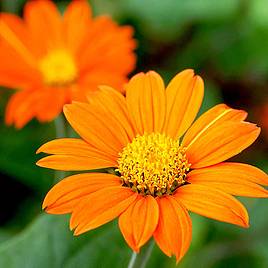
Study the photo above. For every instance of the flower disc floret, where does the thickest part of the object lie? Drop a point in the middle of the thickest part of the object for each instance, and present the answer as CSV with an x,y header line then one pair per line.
x,y
58,68
153,164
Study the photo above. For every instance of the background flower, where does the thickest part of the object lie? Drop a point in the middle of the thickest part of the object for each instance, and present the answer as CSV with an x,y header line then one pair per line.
x,y
52,59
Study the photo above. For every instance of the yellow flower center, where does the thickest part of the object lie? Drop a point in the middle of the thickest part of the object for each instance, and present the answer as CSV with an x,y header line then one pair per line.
x,y
153,164
58,68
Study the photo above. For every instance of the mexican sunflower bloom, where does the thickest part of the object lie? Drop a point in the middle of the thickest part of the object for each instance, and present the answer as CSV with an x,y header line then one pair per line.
x,y
51,59
163,164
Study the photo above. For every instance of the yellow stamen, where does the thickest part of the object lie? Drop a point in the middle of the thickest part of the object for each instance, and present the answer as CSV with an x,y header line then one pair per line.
x,y
153,164
58,68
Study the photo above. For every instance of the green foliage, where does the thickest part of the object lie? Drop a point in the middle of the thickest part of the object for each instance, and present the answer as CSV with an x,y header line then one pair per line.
x,y
48,242
166,20
19,158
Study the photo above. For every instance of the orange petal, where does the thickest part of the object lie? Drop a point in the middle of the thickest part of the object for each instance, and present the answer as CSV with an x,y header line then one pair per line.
x,y
74,162
109,203
20,108
145,95
117,108
71,146
90,81
14,33
76,21
184,97
232,178
15,76
26,104
63,197
174,231
47,108
73,153
15,47
14,101
92,126
139,221
220,143
212,203
116,44
44,22
213,117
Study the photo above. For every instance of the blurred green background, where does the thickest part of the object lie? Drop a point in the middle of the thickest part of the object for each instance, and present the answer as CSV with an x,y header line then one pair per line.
x,y
226,42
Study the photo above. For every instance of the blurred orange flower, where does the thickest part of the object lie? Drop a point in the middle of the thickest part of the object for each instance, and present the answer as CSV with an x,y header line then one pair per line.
x,y
156,178
53,59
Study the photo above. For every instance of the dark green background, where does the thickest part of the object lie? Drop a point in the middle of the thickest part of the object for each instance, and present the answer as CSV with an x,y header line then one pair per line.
x,y
226,42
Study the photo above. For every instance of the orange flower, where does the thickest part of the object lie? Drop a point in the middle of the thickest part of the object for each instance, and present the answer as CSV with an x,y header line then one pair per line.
x,y
156,178
53,59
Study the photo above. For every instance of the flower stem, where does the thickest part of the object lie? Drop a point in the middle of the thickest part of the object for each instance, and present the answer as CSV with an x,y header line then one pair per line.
x,y
60,127
60,131
140,260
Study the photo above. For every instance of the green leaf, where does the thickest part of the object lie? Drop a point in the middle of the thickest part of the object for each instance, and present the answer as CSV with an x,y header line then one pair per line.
x,y
48,242
11,6
17,151
258,13
19,158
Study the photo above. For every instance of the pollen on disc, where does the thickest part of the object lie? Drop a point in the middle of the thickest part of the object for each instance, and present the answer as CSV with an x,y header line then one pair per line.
x,y
153,164
58,68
